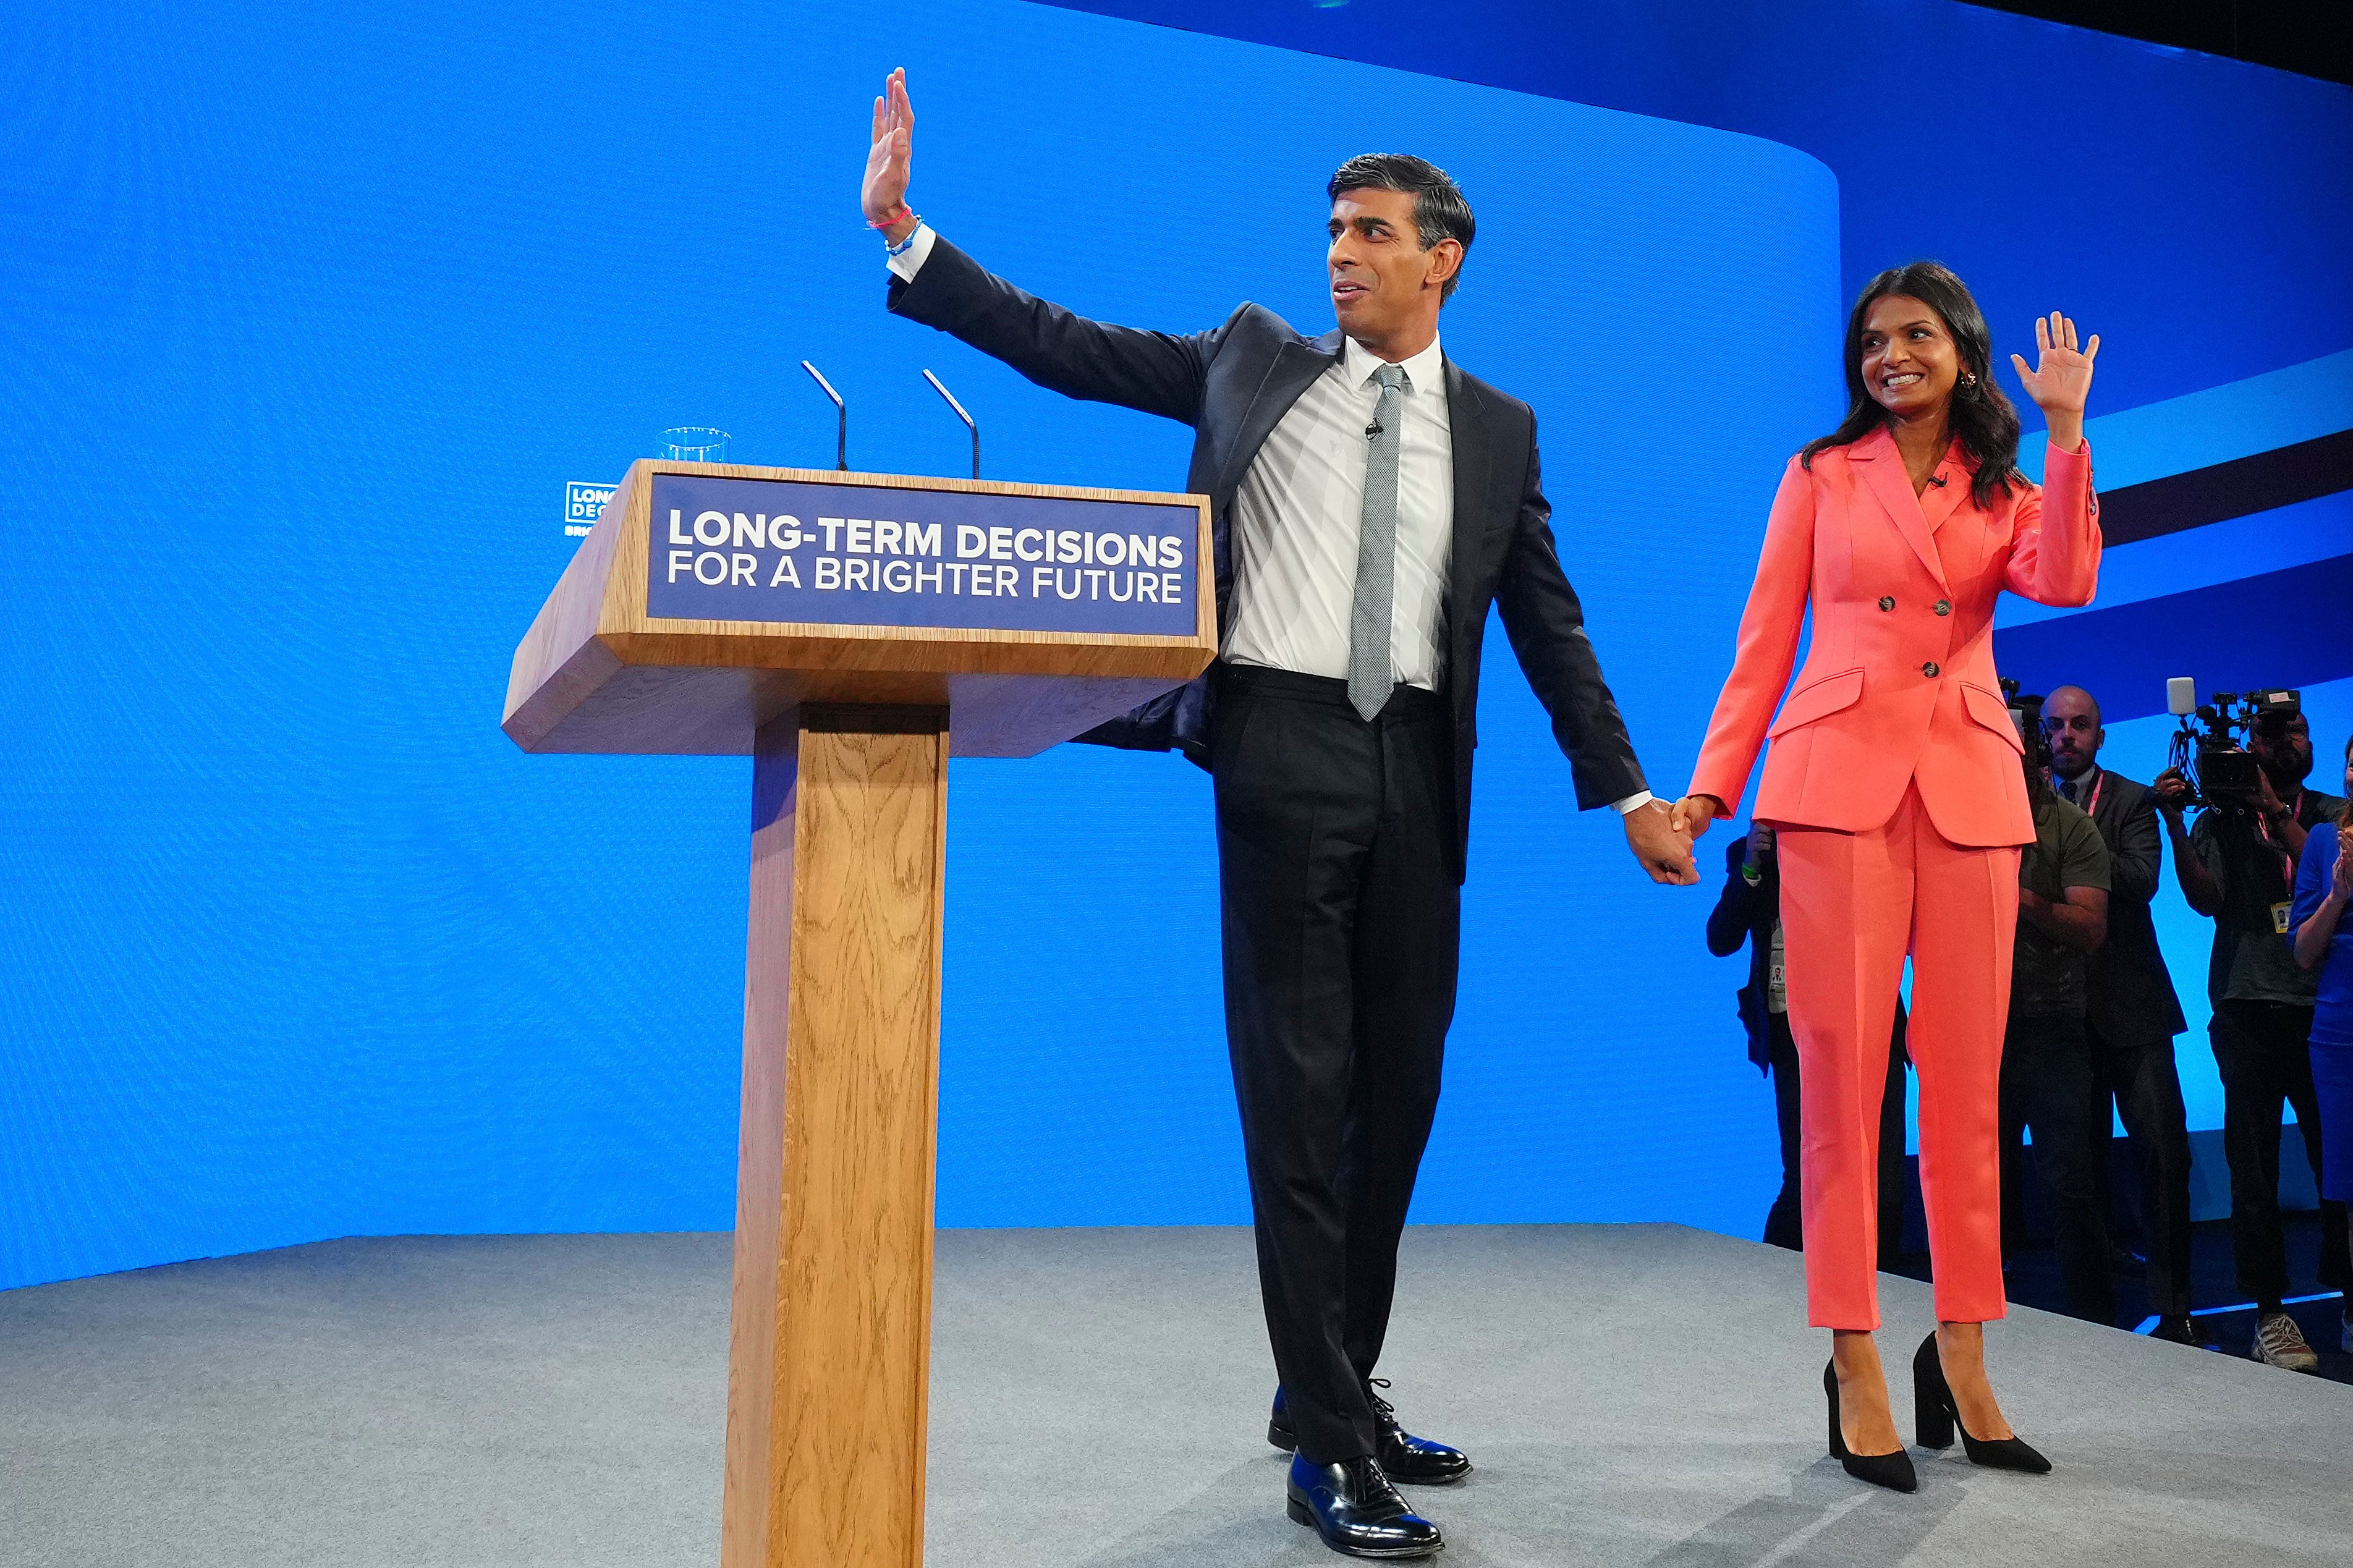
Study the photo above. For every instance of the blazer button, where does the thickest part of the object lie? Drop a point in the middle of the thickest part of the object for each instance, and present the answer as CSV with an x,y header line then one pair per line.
x,y
1886,604
1944,606
1930,669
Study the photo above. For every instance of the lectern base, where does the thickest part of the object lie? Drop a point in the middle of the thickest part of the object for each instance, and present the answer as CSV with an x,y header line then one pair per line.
x,y
830,1365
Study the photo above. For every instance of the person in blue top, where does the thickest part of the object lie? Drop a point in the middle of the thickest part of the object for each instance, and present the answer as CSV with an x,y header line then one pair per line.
x,y
2323,940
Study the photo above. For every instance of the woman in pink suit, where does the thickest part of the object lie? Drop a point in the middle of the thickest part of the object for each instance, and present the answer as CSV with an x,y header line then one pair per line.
x,y
1895,784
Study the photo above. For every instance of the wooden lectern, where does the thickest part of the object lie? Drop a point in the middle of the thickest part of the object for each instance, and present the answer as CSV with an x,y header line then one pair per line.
x,y
716,608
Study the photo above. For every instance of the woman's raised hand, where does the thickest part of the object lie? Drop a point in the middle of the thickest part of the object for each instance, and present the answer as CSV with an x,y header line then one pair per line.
x,y
2061,381
888,160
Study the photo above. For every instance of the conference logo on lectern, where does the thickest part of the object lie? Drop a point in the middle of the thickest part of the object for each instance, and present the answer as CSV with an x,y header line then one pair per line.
x,y
774,550
581,501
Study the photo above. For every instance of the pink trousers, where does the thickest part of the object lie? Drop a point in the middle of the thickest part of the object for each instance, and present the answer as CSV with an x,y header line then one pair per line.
x,y
1852,905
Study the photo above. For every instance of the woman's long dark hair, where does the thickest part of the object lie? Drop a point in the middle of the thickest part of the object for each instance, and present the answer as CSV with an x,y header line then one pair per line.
x,y
1982,418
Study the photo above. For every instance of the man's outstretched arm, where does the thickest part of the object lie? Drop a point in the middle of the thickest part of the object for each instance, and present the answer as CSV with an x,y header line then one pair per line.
x,y
933,282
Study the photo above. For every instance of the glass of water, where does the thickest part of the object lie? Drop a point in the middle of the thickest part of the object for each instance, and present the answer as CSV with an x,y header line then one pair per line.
x,y
694,444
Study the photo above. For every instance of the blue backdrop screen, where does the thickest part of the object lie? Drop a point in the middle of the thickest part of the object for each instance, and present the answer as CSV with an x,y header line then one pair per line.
x,y
312,319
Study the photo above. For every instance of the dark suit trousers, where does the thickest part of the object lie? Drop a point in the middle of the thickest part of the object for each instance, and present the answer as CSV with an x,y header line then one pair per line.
x,y
1785,1223
2139,1077
1342,923
2046,1085
2264,1051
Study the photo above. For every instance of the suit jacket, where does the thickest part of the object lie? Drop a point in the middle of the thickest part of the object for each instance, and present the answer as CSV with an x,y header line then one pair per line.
x,y
1745,914
2131,997
1232,384
1899,687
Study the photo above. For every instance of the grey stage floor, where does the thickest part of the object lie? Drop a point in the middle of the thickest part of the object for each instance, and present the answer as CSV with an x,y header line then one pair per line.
x,y
1640,1394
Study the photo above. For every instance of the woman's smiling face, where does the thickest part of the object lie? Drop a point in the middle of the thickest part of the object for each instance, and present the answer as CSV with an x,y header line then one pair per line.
x,y
1910,363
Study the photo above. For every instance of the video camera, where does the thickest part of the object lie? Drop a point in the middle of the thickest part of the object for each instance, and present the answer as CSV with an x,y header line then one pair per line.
x,y
2026,712
2208,748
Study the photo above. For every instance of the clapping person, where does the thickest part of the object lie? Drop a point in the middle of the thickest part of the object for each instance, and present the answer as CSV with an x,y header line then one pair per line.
x,y
2322,940
1895,786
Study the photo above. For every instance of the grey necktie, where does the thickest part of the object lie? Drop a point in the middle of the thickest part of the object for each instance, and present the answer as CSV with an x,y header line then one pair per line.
x,y
1368,618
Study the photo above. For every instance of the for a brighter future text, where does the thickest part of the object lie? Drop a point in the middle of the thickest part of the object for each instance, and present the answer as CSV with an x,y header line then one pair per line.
x,y
856,555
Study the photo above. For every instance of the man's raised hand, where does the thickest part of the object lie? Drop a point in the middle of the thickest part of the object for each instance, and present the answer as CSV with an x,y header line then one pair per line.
x,y
887,161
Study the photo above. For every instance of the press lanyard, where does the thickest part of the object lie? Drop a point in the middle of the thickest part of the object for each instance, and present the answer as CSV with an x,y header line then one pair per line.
x,y
2099,783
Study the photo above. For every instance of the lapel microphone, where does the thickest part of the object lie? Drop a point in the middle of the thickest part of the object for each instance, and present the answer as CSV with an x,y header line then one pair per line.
x,y
1373,430
1937,481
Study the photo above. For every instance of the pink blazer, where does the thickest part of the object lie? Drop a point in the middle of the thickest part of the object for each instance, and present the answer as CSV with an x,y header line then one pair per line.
x,y
1899,687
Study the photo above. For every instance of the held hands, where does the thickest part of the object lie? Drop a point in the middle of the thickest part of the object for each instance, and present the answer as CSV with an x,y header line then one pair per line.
x,y
887,161
1692,815
1660,846
2062,382
2340,887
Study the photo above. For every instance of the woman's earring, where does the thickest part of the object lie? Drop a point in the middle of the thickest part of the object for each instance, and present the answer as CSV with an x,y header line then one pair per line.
x,y
1968,382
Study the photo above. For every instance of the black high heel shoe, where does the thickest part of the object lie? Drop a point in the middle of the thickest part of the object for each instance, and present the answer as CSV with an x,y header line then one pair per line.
x,y
1940,1417
1893,1471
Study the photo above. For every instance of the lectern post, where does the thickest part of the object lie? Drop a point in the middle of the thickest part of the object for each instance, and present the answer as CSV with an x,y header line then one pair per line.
x,y
830,1365
849,631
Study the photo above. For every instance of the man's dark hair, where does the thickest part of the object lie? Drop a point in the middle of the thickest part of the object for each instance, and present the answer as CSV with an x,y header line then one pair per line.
x,y
1439,210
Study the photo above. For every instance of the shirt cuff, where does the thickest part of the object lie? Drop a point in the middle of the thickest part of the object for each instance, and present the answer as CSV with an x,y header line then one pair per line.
x,y
910,261
1634,802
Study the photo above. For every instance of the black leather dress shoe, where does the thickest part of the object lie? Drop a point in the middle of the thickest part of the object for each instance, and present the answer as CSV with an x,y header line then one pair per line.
x,y
2185,1331
1405,1459
1354,1509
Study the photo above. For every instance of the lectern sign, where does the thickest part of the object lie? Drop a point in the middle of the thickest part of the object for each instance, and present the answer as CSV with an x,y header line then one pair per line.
x,y
847,554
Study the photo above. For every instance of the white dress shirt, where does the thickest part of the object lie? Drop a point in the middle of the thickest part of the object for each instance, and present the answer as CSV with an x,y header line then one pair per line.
x,y
1299,511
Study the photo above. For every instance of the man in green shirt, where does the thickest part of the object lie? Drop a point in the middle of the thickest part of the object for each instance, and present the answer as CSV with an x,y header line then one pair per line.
x,y
2046,1058
2237,867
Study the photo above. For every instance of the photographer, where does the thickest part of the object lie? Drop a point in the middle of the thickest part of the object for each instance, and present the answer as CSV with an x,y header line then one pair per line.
x,y
1749,910
2323,943
2046,1064
2238,869
2133,1014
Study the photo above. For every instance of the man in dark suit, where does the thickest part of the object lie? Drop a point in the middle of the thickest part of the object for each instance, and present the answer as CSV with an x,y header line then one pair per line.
x,y
2133,1013
1369,501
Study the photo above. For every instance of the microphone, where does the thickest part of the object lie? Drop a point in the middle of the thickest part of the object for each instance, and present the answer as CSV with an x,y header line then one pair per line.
x,y
1937,481
960,414
842,441
1372,430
